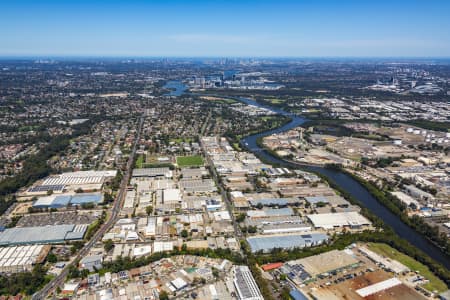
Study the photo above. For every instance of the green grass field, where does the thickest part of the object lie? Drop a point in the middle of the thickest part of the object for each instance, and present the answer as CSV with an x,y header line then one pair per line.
x,y
190,161
227,101
181,140
276,101
140,161
143,161
435,283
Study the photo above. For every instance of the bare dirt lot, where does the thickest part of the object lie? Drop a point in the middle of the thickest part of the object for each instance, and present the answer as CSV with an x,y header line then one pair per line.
x,y
347,289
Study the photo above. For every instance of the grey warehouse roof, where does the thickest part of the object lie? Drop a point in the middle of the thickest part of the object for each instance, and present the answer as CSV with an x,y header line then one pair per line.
x,y
41,234
268,243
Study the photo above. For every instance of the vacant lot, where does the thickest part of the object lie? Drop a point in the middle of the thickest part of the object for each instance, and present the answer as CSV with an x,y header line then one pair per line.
x,y
190,161
348,288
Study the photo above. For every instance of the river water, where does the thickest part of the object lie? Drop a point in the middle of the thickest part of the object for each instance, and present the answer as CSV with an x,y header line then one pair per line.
x,y
348,184
177,88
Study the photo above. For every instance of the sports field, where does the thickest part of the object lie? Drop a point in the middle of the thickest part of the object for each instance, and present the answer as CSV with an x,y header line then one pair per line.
x,y
190,161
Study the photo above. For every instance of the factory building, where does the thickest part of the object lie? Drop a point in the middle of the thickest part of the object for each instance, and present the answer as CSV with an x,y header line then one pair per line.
x,y
21,258
245,284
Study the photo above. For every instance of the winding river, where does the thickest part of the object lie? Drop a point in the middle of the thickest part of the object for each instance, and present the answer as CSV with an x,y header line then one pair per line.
x,y
345,182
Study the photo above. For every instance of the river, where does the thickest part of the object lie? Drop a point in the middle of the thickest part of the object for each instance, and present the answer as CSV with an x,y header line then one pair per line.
x,y
347,183
176,87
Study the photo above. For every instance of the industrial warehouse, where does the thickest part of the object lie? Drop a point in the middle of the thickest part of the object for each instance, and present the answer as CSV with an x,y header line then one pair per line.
x,y
267,243
21,258
350,219
42,234
70,182
58,201
245,284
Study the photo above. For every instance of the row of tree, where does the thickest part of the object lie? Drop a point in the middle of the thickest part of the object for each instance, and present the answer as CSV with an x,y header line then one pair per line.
x,y
26,283
127,263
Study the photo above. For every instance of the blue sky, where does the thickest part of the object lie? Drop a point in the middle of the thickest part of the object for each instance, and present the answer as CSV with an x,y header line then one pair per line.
x,y
225,28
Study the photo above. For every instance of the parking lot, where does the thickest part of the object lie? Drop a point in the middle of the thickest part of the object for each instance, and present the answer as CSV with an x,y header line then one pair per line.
x,y
58,218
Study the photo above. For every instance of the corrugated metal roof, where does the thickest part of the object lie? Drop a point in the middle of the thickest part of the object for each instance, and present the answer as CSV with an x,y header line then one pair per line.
x,y
267,243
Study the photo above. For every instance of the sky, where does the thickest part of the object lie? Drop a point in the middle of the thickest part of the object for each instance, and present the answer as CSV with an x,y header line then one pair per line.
x,y
191,28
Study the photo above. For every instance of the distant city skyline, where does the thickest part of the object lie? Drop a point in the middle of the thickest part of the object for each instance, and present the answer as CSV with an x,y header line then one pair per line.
x,y
225,28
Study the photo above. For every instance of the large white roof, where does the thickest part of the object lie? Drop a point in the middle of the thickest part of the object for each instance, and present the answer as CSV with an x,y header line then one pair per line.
x,y
378,287
330,220
172,195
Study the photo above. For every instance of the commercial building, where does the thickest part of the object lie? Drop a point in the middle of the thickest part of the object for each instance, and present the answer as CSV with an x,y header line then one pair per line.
x,y
43,189
42,234
193,173
152,172
198,186
59,201
267,243
91,262
418,193
334,260
378,287
285,228
171,196
389,264
350,219
406,199
86,180
270,212
245,284
21,258
274,202
162,246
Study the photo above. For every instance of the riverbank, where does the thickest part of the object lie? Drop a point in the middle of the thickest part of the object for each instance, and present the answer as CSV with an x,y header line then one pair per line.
x,y
380,193
348,184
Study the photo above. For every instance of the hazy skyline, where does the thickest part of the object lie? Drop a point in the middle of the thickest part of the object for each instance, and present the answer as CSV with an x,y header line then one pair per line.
x,y
225,28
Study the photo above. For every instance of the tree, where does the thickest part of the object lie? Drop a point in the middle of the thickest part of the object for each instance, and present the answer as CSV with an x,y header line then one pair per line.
x,y
285,293
321,204
108,198
51,258
184,233
163,295
84,273
108,245
240,218
215,272
149,210
87,205
73,272
252,229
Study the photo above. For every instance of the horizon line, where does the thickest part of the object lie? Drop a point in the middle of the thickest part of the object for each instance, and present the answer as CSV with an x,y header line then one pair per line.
x,y
125,56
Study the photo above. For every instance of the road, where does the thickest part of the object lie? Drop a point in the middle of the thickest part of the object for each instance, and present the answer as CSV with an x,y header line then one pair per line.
x,y
205,124
114,216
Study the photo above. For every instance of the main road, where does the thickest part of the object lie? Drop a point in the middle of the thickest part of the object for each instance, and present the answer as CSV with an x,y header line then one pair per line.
x,y
113,217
